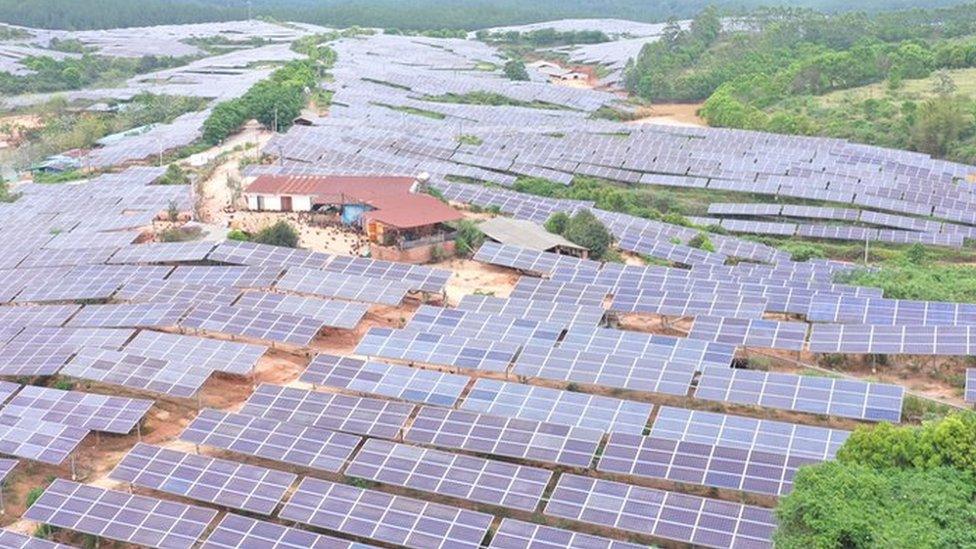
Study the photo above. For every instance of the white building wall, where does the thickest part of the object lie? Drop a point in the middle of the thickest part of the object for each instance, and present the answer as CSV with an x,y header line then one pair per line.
x,y
272,202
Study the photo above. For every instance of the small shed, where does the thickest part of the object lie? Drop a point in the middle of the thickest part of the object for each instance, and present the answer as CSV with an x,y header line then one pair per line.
x,y
527,234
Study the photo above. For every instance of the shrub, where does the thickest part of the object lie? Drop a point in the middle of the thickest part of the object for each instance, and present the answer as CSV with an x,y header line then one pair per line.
x,y
174,176
280,234
469,238
238,235
556,223
515,70
702,242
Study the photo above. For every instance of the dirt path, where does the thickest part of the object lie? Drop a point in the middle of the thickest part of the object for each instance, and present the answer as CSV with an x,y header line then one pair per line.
x,y
673,114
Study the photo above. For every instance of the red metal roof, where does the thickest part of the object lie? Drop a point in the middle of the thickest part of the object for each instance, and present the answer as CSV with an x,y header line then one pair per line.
x,y
412,210
333,189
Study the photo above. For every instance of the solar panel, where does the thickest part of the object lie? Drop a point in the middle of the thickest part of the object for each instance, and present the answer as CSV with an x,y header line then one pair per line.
x,y
750,332
668,515
552,405
236,531
67,290
163,252
430,348
136,315
154,291
15,540
569,293
343,286
218,481
515,534
300,445
47,315
38,440
330,312
6,467
816,395
532,261
120,516
73,338
232,357
420,278
84,410
403,382
624,343
747,433
970,384
689,462
253,323
647,374
874,339
362,416
385,517
136,372
465,477
503,436
455,322
679,303
238,277
26,359
531,309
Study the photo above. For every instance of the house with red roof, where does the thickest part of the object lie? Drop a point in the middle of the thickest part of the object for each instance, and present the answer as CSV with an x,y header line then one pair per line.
x,y
397,216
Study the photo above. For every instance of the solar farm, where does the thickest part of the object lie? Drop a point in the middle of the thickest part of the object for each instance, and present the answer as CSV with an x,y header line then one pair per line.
x,y
218,393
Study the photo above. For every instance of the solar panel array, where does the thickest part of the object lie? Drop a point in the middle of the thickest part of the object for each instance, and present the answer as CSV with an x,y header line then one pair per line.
x,y
893,340
84,410
253,323
222,482
530,309
403,382
343,286
15,540
454,475
300,445
33,438
552,405
510,328
431,348
120,516
384,517
236,531
136,372
364,416
232,357
970,389
816,395
669,515
516,534
753,332
330,312
502,436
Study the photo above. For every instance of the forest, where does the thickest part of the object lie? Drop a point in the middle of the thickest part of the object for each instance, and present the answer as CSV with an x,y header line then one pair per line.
x,y
784,71
401,14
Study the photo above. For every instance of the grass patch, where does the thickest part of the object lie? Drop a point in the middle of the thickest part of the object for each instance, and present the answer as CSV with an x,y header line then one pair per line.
x,y
492,99
413,110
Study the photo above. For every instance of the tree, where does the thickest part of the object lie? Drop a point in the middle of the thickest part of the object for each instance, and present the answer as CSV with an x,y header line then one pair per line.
x,y
586,230
280,234
939,124
702,242
855,506
174,175
943,83
515,70
556,223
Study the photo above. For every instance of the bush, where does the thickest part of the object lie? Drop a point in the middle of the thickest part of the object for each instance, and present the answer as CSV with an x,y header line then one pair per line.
x,y
702,242
515,70
854,506
238,235
174,176
801,251
469,238
950,441
280,234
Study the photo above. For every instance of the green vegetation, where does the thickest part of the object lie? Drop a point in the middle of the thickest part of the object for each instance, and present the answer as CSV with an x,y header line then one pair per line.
x,y
467,139
469,238
784,73
5,194
12,33
87,71
515,70
280,234
544,38
238,235
413,110
274,102
490,98
910,277
585,230
702,242
174,175
215,45
916,481
429,33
